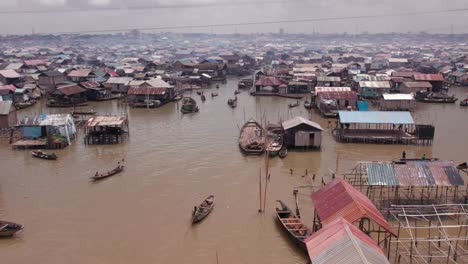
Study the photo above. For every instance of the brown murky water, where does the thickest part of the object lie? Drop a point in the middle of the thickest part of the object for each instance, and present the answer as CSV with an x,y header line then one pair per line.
x,y
173,162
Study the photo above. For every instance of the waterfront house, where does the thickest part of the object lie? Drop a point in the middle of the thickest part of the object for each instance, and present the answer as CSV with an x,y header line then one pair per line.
x,y
46,131
381,127
373,89
329,100
436,80
153,93
68,94
118,84
50,79
394,63
81,75
94,91
340,200
414,87
300,132
397,102
268,85
328,81
8,116
106,129
9,77
7,92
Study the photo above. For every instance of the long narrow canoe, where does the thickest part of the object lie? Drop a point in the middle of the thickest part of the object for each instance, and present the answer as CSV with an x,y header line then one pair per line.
x,y
100,176
202,211
293,225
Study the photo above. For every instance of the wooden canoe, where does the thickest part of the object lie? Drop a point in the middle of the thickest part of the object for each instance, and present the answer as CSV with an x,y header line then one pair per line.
x,y
283,153
43,155
202,211
252,138
8,229
100,176
293,225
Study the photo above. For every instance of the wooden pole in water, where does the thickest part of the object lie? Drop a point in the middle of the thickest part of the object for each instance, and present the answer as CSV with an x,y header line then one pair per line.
x,y
217,259
267,175
260,189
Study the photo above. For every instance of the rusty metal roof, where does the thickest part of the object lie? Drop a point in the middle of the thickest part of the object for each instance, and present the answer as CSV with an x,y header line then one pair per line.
x,y
90,85
79,73
417,84
71,89
347,95
137,90
413,173
342,242
106,121
340,199
428,77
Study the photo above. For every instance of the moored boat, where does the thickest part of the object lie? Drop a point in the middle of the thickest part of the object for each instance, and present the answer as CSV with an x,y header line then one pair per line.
x,y
100,176
43,155
214,94
25,104
252,138
245,84
236,92
8,229
203,210
189,105
441,98
464,102
53,103
307,105
292,224
275,145
283,152
296,104
203,98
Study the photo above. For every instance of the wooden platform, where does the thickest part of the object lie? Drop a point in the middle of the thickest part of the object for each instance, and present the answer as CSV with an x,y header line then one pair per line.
x,y
376,136
29,144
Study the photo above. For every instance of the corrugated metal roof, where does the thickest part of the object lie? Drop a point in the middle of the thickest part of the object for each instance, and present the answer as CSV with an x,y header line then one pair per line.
x,y
300,120
381,174
90,85
71,89
331,89
428,77
398,96
375,84
47,120
137,90
5,107
119,80
10,74
341,242
417,84
340,199
106,121
79,73
328,79
8,87
14,66
268,81
413,173
375,117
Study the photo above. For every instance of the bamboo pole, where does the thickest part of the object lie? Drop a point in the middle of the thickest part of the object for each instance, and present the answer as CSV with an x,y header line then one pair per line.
x,y
260,189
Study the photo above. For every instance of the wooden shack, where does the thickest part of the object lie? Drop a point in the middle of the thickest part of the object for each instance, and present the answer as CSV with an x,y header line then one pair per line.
x,y
106,130
397,102
7,115
300,132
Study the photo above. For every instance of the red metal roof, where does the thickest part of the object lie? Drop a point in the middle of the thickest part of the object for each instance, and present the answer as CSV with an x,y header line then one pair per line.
x,y
8,87
340,199
90,85
137,90
268,81
111,72
428,77
340,240
35,62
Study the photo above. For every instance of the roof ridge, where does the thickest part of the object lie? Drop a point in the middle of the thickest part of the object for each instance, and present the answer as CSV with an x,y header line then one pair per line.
x,y
355,244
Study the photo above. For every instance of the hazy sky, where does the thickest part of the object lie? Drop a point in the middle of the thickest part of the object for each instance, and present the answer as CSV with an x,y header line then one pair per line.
x,y
167,13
